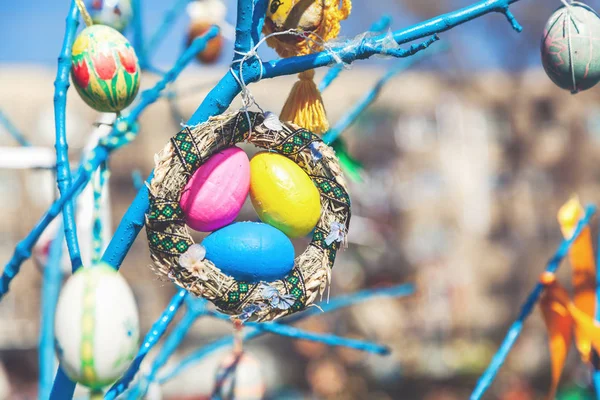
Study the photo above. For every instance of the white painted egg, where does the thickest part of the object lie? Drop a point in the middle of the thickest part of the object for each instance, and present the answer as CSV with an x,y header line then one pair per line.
x,y
96,326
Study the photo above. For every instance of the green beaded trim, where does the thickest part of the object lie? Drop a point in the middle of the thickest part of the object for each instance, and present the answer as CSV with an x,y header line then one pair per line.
x,y
332,190
294,284
296,142
164,210
168,243
187,151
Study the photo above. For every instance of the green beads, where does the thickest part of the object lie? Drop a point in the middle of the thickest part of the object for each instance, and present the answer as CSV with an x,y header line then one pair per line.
x,y
571,47
105,69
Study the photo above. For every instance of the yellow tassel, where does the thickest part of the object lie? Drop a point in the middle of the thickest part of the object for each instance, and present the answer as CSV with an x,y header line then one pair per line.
x,y
304,106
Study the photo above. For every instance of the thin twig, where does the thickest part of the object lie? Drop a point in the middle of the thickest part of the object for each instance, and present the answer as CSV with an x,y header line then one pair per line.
x,y
13,130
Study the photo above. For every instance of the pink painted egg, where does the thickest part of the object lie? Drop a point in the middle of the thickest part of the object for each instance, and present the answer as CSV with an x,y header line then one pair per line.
x,y
215,194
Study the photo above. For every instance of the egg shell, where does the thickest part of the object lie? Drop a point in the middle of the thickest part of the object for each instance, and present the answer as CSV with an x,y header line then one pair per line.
x,y
285,14
283,195
114,13
96,326
245,382
250,252
104,69
215,194
214,47
577,36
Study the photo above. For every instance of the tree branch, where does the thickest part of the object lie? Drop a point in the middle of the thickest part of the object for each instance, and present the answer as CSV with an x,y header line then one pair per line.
x,y
158,329
63,171
13,131
253,332
117,138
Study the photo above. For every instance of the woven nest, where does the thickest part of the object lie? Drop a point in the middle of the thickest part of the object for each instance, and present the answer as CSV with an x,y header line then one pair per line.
x,y
169,238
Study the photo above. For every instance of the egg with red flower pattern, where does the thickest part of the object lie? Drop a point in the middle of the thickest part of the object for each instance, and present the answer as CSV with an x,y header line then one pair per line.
x,y
105,69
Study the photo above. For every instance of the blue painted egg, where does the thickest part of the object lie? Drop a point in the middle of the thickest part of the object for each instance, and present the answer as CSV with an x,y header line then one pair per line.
x,y
250,251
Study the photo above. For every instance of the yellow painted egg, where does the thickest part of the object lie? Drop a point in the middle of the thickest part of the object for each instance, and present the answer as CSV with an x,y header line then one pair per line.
x,y
283,195
105,69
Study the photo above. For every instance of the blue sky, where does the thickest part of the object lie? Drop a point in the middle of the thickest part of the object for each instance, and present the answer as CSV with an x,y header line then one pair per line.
x,y
32,32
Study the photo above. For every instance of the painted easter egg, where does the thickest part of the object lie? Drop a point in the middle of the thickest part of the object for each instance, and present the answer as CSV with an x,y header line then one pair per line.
x,y
215,194
105,69
283,194
250,252
239,377
292,14
214,47
571,47
96,326
114,13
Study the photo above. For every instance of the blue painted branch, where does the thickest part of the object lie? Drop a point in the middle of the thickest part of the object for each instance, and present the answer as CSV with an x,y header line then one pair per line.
x,y
450,20
243,28
128,229
63,387
411,51
206,350
50,292
138,180
97,156
515,329
334,71
299,334
377,44
383,24
225,91
196,308
97,229
350,117
164,27
138,33
23,248
13,130
349,300
156,332
258,19
63,172
252,332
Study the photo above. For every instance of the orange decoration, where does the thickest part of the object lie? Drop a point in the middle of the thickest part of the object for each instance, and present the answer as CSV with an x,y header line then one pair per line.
x,y
562,317
559,325
214,47
581,256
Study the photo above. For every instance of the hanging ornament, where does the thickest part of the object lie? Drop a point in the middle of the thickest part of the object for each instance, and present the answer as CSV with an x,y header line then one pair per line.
x,y
571,49
283,194
313,22
105,69
204,14
114,13
96,326
215,194
239,377
247,269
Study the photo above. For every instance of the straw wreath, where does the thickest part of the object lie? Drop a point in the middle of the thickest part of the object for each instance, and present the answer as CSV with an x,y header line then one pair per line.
x,y
169,238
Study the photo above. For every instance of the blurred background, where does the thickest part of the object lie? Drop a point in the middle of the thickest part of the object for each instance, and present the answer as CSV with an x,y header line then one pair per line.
x,y
467,158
